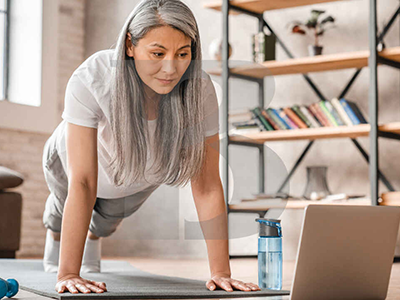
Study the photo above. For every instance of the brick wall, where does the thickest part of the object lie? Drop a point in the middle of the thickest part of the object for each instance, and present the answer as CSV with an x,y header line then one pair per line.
x,y
22,151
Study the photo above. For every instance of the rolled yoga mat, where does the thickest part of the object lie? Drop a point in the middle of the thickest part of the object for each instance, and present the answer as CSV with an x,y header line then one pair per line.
x,y
123,281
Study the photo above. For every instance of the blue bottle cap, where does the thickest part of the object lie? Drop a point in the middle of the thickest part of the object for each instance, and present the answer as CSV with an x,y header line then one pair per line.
x,y
270,227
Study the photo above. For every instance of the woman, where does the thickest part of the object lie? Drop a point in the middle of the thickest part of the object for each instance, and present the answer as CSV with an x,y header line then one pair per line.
x,y
98,162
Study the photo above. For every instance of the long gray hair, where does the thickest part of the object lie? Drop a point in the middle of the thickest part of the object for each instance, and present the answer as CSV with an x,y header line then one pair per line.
x,y
179,151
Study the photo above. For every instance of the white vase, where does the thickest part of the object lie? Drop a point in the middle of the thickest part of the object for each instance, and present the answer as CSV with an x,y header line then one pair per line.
x,y
215,49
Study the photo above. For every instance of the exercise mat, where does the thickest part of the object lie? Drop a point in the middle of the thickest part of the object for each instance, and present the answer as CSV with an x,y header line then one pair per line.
x,y
123,280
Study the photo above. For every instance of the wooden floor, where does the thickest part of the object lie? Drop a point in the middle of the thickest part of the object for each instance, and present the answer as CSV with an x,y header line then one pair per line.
x,y
244,269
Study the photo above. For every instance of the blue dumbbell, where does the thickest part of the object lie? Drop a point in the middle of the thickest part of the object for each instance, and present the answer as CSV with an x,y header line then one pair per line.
x,y
8,288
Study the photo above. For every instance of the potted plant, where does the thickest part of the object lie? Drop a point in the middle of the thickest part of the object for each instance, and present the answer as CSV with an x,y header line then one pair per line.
x,y
317,27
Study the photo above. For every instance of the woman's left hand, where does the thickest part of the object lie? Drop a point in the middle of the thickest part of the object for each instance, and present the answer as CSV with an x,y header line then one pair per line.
x,y
227,283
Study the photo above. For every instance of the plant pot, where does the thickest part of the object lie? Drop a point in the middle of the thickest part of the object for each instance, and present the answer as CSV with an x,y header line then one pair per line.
x,y
314,50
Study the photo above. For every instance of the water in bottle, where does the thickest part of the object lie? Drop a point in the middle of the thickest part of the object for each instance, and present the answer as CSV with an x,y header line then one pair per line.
x,y
270,254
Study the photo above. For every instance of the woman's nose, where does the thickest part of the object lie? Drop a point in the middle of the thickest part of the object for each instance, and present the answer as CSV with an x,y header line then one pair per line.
x,y
169,66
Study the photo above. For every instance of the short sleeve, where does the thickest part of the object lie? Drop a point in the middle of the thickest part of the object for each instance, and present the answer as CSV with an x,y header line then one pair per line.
x,y
211,111
80,107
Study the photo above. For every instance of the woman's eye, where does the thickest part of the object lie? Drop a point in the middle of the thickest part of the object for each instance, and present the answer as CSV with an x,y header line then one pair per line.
x,y
157,54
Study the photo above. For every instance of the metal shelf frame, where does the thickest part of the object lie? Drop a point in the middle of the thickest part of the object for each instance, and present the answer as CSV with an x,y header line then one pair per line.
x,y
372,159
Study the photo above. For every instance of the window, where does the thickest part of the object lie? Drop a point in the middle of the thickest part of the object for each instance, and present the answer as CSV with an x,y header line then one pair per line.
x,y
4,22
32,80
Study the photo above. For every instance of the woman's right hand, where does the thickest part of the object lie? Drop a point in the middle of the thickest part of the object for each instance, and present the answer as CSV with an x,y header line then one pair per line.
x,y
74,283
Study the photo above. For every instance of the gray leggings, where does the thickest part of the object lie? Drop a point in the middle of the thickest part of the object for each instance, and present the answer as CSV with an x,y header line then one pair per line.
x,y
107,213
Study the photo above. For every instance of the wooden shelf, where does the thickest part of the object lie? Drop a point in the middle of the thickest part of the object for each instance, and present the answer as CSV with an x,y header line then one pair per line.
x,y
263,205
259,6
319,63
312,133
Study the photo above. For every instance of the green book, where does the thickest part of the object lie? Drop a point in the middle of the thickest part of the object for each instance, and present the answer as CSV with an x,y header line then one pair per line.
x,y
257,112
273,116
327,113
298,112
334,113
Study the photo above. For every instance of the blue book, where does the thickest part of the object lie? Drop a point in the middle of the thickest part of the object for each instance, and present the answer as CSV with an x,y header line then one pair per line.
x,y
357,111
285,117
349,112
279,117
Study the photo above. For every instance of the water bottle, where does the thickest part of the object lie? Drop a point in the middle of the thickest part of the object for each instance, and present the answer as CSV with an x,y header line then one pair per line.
x,y
270,254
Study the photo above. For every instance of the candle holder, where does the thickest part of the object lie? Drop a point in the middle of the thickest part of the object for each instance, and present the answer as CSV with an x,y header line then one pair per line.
x,y
317,186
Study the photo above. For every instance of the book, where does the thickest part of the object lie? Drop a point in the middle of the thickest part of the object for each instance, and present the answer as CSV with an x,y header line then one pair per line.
x,y
357,112
259,116
263,47
235,131
327,113
290,113
243,123
270,120
341,112
280,119
334,113
247,126
261,127
349,112
311,111
309,116
239,114
288,121
296,109
274,117
321,116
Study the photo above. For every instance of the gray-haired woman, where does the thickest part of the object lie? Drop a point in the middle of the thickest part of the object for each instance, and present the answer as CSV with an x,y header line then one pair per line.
x,y
135,117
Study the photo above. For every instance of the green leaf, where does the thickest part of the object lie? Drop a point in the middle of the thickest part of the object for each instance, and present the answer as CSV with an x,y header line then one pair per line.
x,y
328,19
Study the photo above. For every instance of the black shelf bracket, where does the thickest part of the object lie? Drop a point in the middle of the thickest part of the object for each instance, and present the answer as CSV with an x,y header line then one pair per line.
x,y
389,135
389,62
294,168
380,174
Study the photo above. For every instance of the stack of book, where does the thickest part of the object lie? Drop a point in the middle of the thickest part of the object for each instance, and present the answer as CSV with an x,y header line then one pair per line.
x,y
263,47
321,114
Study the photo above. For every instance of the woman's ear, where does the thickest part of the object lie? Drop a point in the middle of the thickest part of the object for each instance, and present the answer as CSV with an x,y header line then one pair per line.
x,y
129,46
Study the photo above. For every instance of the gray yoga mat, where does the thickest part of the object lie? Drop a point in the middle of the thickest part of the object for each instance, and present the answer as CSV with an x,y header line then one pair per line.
x,y
123,282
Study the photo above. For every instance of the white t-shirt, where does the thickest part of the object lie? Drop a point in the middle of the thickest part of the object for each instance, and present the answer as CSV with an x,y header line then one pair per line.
x,y
86,104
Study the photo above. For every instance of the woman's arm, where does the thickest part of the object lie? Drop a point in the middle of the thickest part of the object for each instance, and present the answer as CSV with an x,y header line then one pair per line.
x,y
211,209
81,144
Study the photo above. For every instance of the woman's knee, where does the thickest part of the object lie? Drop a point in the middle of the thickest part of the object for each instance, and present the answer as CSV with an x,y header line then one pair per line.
x,y
56,235
92,236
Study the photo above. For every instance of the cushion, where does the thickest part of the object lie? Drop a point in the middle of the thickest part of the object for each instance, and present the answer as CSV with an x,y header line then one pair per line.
x,y
9,178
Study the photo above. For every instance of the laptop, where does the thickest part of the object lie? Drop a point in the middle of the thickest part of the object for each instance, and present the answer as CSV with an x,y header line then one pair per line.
x,y
345,252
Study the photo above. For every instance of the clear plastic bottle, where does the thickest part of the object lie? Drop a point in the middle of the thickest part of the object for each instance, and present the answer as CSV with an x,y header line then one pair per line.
x,y
270,254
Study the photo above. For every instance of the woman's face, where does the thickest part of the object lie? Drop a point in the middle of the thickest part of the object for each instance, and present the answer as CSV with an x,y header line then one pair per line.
x,y
163,53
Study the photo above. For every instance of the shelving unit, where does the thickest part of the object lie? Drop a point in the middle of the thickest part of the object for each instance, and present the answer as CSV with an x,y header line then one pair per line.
x,y
258,6
257,72
320,63
314,133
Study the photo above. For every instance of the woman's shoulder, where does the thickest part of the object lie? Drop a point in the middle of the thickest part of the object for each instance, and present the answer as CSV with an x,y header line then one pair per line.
x,y
95,73
97,64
